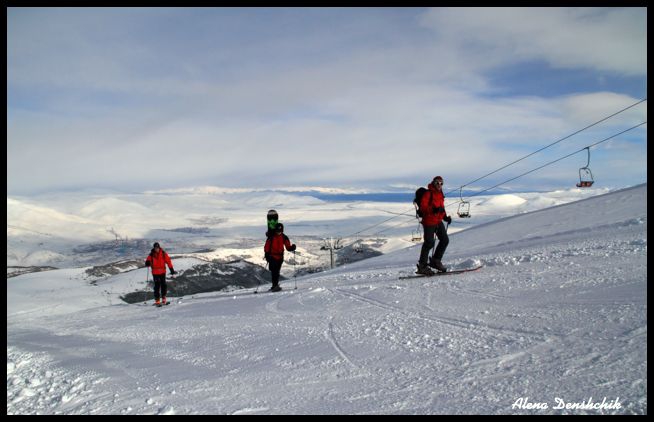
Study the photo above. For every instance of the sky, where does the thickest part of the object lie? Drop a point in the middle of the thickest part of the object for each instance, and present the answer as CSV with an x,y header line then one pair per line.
x,y
157,98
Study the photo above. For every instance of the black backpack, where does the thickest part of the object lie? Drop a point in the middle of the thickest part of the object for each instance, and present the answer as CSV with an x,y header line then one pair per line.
x,y
418,199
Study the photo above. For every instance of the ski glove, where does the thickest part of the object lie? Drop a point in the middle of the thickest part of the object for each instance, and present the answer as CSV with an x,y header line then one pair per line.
x,y
268,257
293,247
172,271
147,263
448,219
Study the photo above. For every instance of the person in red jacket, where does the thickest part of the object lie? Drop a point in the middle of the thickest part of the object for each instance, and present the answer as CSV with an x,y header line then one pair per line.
x,y
433,206
274,250
158,259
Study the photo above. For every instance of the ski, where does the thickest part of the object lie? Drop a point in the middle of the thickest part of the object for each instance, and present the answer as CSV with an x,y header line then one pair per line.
x,y
441,273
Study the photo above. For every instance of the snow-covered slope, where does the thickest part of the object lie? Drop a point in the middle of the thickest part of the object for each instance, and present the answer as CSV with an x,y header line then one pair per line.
x,y
557,315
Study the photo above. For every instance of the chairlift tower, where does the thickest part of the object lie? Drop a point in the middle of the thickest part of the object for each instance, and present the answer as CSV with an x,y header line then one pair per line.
x,y
332,245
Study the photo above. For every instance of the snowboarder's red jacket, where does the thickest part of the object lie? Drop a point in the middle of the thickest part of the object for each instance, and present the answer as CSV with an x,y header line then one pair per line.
x,y
275,246
158,262
433,206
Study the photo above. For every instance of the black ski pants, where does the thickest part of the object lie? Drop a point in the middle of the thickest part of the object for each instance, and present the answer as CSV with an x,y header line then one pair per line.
x,y
159,285
275,268
443,241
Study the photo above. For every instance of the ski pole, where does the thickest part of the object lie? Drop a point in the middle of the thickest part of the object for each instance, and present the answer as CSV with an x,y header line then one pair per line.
x,y
147,280
170,285
294,270
434,247
259,280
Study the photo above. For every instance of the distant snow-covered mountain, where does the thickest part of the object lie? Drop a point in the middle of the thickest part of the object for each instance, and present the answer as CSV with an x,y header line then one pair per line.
x,y
54,228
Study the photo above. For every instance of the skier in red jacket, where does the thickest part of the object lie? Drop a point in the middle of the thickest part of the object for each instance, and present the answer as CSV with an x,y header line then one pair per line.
x,y
433,206
158,259
274,250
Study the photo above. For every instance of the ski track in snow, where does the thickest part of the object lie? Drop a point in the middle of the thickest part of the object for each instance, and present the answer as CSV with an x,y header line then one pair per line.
x,y
559,315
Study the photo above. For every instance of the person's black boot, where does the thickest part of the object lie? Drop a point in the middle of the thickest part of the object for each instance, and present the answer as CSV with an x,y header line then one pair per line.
x,y
424,270
436,263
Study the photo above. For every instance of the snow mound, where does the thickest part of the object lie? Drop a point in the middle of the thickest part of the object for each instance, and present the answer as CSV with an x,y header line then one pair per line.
x,y
106,209
468,263
504,201
278,200
44,257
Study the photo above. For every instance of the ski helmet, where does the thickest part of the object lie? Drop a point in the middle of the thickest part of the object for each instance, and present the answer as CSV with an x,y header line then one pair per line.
x,y
272,219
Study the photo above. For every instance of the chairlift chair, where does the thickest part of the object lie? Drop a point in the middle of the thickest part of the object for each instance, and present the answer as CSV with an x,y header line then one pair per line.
x,y
464,210
585,175
338,245
464,206
415,235
357,246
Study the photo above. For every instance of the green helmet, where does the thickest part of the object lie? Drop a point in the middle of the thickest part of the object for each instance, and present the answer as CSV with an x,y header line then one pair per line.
x,y
273,219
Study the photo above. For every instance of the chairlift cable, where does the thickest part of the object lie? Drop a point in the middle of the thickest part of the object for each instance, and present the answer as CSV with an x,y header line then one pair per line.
x,y
531,171
520,159
560,159
555,142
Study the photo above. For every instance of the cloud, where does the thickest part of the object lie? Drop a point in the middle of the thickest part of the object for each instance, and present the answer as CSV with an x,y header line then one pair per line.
x,y
251,97
600,38
587,107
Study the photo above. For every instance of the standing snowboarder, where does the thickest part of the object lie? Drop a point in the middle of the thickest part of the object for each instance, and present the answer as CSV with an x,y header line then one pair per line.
x,y
158,259
274,250
432,206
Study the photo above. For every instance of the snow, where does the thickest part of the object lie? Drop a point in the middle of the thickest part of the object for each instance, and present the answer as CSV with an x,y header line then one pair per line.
x,y
503,201
47,230
555,323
